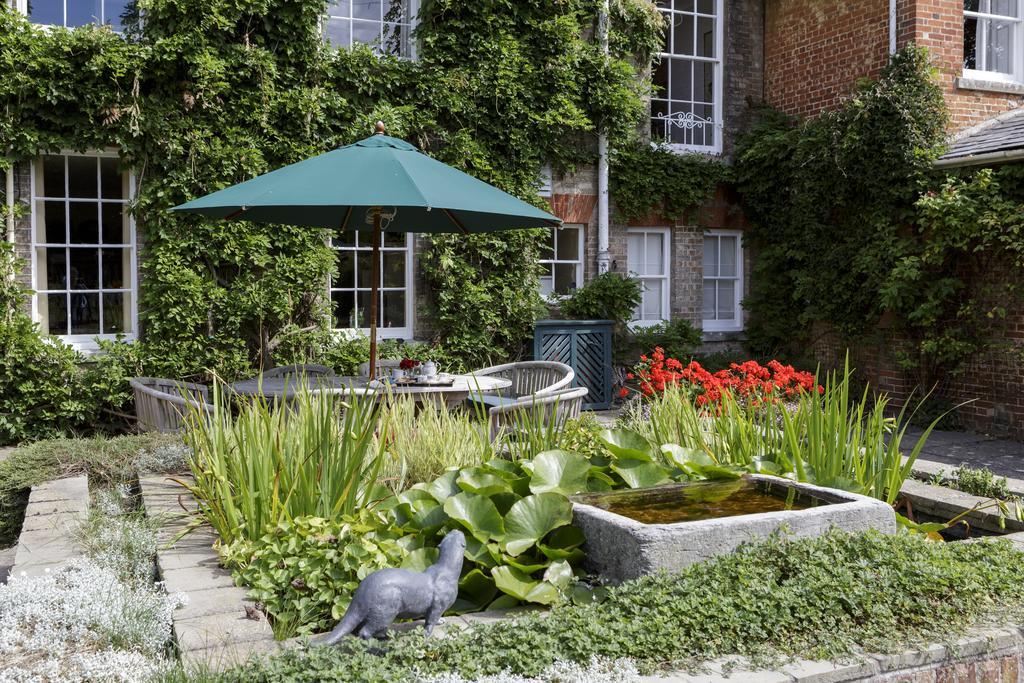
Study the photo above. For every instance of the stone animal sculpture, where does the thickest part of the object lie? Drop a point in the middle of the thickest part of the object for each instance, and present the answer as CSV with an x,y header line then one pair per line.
x,y
389,594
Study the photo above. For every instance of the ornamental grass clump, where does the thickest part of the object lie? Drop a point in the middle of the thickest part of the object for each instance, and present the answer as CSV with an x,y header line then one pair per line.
x,y
316,456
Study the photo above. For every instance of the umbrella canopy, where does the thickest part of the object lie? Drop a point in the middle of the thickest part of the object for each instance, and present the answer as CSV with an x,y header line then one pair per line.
x,y
379,184
329,190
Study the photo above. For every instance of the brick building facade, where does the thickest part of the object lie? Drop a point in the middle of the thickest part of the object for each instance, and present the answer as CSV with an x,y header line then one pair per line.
x,y
815,51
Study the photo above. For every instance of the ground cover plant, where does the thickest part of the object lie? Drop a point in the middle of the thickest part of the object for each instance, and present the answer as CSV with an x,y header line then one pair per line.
x,y
817,598
978,481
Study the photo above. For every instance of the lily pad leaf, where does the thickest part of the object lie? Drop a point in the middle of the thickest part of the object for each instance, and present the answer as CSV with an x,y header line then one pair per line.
x,y
479,480
624,443
520,586
418,560
526,563
477,514
559,472
566,537
641,474
764,466
534,517
559,574
483,554
444,487
573,556
479,587
686,459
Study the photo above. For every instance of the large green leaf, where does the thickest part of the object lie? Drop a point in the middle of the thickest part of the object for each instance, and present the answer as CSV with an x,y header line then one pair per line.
x,y
484,554
527,562
640,474
419,560
477,514
534,517
685,458
559,574
519,585
625,443
443,487
479,480
479,587
559,472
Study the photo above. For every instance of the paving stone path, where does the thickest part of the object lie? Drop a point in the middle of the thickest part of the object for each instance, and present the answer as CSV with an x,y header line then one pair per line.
x,y
55,511
1003,457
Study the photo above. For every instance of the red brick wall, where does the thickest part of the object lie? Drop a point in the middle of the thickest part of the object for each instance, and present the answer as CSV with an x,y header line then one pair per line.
x,y
938,25
815,50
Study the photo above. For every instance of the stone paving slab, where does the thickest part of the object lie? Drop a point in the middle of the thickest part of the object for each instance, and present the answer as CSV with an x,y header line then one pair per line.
x,y
945,503
213,630
1004,457
55,512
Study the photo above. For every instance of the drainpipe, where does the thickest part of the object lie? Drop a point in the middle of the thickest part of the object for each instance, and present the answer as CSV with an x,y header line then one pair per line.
x,y
9,191
603,257
892,27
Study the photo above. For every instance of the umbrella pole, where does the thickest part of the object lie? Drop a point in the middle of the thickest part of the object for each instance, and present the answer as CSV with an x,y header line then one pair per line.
x,y
375,280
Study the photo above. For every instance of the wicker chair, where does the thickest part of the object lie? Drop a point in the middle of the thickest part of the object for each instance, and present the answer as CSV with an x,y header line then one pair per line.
x,y
384,366
306,370
553,409
529,378
162,404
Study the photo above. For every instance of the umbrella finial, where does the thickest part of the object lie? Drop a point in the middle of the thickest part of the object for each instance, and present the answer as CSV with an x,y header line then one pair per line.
x,y
380,128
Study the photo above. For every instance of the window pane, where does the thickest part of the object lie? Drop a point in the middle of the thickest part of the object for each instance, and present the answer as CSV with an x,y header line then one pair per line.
x,y
54,313
85,269
115,313
339,8
111,178
727,257
82,177
652,299
394,268
364,264
396,39
115,224
706,6
52,178
709,299
344,239
394,309
565,278
50,12
83,12
343,304
346,276
659,114
711,256
547,285
119,13
971,5
726,299
655,257
391,239
338,32
999,52
568,244
681,85
115,269
366,32
367,9
85,224
660,77
634,253
547,247
363,302
682,34
51,224
970,43
56,269
705,37
85,313
1006,8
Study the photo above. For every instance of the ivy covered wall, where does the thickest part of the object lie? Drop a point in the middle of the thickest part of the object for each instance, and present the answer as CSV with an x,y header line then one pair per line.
x,y
208,93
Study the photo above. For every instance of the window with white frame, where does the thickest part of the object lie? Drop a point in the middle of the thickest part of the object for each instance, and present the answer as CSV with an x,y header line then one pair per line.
x,y
686,108
350,288
993,36
648,258
561,260
83,247
72,13
723,280
384,25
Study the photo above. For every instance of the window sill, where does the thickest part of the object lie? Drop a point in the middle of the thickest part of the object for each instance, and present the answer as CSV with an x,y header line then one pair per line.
x,y
1006,87
724,335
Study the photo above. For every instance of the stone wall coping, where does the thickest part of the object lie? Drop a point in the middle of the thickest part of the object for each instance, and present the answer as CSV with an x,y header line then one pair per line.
x,y
946,503
928,469
216,629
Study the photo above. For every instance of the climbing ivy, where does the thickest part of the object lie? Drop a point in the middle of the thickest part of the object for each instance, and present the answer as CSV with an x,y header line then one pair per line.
x,y
648,178
852,222
206,93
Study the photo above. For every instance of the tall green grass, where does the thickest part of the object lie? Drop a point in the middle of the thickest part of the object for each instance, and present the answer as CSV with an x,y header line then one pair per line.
x,y
316,456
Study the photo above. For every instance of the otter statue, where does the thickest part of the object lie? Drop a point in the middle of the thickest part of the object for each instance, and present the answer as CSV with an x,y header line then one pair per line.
x,y
389,594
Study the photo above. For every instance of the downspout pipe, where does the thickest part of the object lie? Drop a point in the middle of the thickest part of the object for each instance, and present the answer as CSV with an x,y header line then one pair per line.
x,y
892,27
603,256
9,196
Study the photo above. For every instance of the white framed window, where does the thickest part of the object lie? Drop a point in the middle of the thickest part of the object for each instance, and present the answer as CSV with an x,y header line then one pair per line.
x,y
648,258
686,108
561,260
350,288
384,25
993,37
723,280
72,13
83,248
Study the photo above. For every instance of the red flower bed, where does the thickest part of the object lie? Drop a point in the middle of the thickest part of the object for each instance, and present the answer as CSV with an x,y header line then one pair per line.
x,y
748,381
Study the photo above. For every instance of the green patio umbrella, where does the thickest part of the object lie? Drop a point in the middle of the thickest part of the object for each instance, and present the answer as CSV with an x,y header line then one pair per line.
x,y
381,184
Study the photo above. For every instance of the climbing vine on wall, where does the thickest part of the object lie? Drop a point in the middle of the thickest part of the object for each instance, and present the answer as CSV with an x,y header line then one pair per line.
x,y
206,93
853,222
649,179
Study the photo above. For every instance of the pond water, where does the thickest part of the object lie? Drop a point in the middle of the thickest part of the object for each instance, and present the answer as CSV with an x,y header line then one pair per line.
x,y
699,500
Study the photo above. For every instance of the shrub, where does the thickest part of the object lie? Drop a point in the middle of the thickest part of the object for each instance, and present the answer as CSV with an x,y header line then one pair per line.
x,y
678,338
609,296
980,482
42,394
822,598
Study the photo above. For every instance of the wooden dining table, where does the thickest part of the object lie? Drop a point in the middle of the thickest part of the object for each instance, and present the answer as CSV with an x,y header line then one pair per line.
x,y
460,388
